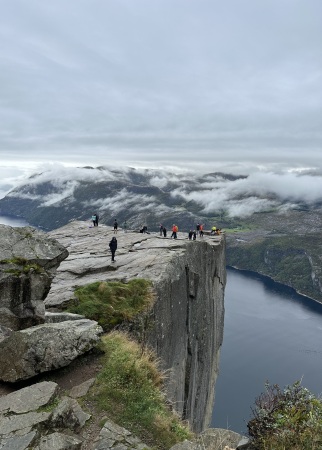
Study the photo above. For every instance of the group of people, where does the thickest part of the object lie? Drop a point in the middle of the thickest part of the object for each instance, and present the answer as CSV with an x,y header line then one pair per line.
x,y
192,234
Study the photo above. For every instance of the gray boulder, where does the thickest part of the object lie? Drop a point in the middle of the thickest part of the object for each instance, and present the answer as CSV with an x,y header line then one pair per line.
x,y
59,441
42,348
29,398
28,261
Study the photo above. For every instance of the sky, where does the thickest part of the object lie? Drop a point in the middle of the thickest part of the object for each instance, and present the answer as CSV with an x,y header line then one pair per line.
x,y
204,85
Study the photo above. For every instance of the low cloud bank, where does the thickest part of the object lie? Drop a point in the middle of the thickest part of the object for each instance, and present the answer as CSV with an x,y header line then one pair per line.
x,y
259,191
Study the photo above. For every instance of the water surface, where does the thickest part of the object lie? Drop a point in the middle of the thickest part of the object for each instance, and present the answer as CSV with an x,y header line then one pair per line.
x,y
12,221
271,333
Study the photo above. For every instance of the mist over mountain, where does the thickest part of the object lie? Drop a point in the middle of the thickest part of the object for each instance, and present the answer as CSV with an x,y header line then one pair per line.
x,y
147,196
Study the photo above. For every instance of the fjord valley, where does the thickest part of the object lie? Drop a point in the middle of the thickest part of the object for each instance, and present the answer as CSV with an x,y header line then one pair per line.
x,y
272,222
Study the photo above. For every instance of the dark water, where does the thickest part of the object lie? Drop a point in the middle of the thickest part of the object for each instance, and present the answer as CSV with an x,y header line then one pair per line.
x,y
270,333
12,221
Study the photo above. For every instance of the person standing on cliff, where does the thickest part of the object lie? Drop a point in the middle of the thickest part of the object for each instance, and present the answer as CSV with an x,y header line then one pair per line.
x,y
164,231
115,226
113,247
95,220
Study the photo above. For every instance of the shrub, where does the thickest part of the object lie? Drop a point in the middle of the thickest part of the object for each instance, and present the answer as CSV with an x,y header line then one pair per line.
x,y
111,303
286,419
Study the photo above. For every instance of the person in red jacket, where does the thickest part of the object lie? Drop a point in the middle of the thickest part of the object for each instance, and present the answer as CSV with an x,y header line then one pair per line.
x,y
174,231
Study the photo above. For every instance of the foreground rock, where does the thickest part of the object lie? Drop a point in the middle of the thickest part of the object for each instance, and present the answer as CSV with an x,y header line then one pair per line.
x,y
28,260
42,348
185,325
22,426
38,417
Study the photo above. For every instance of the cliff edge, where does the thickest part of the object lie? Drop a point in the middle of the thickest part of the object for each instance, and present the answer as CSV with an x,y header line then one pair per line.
x,y
185,325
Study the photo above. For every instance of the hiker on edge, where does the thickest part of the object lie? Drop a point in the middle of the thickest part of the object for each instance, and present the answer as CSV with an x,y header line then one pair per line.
x,y
164,232
115,226
194,235
201,230
161,229
190,234
113,247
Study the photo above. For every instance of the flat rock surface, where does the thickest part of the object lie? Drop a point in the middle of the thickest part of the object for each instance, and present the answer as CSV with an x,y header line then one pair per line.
x,y
137,255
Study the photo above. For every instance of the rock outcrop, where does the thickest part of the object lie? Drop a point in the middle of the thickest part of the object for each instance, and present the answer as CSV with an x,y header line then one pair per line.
x,y
46,347
41,418
185,326
28,260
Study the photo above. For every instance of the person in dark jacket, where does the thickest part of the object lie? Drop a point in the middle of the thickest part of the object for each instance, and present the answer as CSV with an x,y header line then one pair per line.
x,y
113,247
115,226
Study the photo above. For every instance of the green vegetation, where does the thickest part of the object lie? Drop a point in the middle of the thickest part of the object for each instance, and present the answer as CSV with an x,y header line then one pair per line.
x,y
286,419
111,303
284,258
24,266
129,388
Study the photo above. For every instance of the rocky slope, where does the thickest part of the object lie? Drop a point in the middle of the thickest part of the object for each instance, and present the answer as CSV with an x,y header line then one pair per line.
x,y
184,326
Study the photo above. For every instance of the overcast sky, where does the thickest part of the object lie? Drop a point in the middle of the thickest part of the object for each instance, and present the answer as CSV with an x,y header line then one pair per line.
x,y
203,83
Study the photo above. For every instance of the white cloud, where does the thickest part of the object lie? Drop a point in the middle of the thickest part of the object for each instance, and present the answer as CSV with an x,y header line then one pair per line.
x,y
161,83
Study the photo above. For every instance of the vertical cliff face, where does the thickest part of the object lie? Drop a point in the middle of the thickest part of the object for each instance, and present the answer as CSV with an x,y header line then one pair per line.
x,y
188,329
185,326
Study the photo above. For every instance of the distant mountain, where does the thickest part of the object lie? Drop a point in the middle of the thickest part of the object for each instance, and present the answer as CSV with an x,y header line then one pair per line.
x,y
272,223
53,198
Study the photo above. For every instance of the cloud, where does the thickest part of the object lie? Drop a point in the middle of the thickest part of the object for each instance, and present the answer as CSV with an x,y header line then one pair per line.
x,y
160,83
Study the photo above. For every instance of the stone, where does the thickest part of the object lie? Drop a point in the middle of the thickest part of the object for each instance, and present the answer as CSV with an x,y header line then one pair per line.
x,y
81,389
59,441
23,423
16,442
29,398
28,260
116,437
69,414
42,348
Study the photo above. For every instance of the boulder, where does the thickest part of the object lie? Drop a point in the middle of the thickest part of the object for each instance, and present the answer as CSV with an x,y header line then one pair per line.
x,y
46,347
28,260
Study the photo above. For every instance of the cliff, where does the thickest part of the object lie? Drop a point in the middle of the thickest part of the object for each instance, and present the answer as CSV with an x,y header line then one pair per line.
x,y
185,325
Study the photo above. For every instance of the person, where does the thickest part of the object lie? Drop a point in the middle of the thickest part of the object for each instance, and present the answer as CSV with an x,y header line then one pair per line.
x,y
161,229
201,230
213,230
115,226
174,231
113,247
198,227
190,234
164,231
94,219
194,235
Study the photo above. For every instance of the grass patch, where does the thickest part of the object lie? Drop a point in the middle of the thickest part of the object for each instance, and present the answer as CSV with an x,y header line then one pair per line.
x,y
111,303
22,265
129,389
289,418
